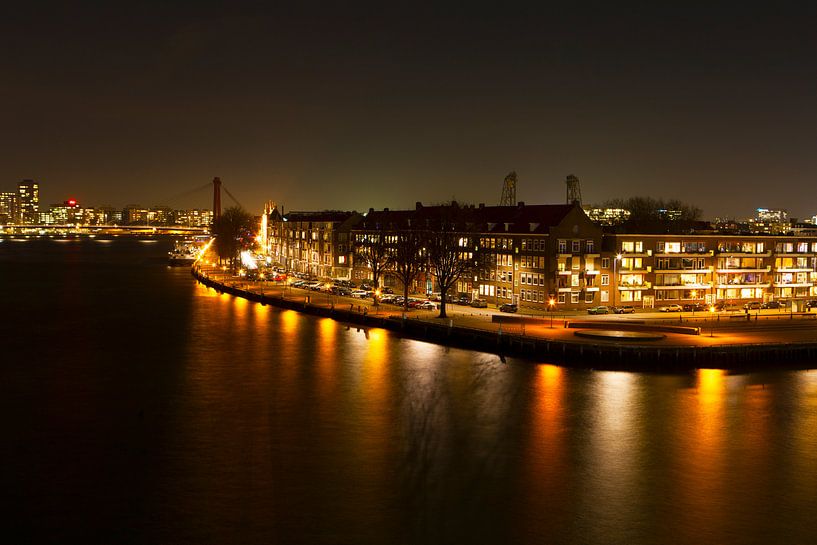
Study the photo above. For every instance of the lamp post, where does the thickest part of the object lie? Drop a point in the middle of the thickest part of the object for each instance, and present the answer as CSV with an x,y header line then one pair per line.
x,y
694,301
551,302
615,279
712,318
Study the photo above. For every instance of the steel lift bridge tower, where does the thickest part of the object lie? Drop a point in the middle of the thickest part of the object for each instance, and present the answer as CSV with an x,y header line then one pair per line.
x,y
509,190
574,190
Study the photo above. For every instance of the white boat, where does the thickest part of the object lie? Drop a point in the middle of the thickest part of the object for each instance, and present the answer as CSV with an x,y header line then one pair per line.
x,y
184,252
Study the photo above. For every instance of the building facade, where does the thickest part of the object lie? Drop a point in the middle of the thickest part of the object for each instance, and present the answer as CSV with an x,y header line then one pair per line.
x,y
528,255
317,244
537,254
654,270
28,201
8,208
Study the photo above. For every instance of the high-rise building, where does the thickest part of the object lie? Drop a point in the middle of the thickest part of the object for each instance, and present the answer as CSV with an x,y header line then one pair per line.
x,y
8,208
67,213
28,210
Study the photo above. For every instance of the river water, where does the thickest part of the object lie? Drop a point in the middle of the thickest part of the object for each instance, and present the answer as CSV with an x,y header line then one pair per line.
x,y
140,407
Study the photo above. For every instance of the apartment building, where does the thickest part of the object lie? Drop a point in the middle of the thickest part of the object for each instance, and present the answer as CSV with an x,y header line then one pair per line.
x,y
313,243
526,255
652,270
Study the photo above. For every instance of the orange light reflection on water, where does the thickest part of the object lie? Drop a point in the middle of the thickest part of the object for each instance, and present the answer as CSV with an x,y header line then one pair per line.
x,y
700,456
545,457
326,358
614,438
288,322
805,424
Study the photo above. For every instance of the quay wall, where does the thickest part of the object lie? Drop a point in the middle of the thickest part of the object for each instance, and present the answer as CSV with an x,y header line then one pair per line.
x,y
575,353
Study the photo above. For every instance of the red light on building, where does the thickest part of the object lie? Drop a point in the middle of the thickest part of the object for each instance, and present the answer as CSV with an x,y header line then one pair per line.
x,y
72,202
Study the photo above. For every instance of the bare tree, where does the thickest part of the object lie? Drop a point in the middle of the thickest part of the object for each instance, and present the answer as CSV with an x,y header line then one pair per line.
x,y
372,250
408,260
450,256
234,232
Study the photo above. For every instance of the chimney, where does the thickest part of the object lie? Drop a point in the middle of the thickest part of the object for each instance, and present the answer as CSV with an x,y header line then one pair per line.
x,y
418,205
385,210
482,205
520,204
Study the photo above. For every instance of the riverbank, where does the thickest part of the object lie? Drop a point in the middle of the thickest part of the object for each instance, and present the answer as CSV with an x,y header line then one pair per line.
x,y
738,345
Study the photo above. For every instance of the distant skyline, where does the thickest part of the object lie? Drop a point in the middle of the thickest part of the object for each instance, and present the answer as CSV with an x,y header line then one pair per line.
x,y
329,107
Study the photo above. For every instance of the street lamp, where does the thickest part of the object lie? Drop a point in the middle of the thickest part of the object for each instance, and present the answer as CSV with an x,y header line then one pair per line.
x,y
551,303
712,318
615,279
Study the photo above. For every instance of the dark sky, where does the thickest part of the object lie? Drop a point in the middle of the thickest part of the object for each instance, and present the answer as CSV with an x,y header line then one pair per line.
x,y
336,106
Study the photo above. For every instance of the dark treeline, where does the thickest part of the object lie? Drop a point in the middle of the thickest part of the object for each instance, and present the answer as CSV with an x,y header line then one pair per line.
x,y
649,215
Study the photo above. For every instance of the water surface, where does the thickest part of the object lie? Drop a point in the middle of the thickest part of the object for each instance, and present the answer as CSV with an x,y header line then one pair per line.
x,y
140,407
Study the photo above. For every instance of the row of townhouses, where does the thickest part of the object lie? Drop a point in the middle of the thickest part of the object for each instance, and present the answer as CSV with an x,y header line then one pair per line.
x,y
531,254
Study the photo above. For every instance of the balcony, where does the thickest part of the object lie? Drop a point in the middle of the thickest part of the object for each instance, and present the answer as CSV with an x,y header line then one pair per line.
x,y
729,271
682,286
683,271
737,286
794,269
738,253
794,285
703,253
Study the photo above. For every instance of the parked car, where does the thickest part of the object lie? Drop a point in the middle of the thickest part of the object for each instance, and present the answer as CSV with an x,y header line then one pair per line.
x,y
427,305
752,305
508,307
603,309
386,290
776,304
671,308
359,293
811,304
461,300
479,303
626,309
693,307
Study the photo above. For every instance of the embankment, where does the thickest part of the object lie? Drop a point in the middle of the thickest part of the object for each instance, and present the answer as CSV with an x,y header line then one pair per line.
x,y
575,352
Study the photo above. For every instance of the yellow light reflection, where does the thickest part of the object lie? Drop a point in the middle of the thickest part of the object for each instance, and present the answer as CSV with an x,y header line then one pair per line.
x,y
614,434
374,389
700,457
326,363
546,445
545,455
805,422
203,291
289,322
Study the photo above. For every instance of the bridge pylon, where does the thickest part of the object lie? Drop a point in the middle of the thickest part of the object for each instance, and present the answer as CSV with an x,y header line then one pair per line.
x,y
216,198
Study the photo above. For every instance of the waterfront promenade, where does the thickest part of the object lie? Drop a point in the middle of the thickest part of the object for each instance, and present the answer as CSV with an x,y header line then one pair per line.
x,y
729,340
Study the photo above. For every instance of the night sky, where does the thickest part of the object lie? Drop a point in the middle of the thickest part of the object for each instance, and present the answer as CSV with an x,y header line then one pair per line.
x,y
344,107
